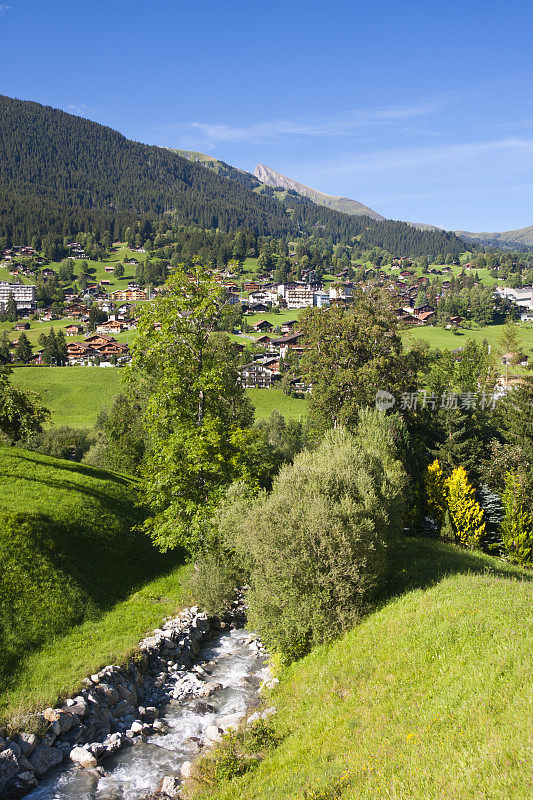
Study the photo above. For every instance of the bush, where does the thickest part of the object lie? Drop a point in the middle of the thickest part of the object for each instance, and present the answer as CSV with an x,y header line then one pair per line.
x,y
317,545
436,495
517,525
465,512
238,752
213,584
63,442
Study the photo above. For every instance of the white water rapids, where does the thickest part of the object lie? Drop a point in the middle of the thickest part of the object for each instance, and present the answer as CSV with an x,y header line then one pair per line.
x,y
135,771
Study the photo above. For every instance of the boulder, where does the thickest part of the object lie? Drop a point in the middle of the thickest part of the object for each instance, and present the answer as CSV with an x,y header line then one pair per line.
x,y
44,758
9,766
123,709
169,786
186,769
19,785
27,743
83,757
106,693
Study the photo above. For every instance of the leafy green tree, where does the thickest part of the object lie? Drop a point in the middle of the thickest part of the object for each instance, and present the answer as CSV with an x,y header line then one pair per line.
x,y
61,348
317,547
21,413
23,350
508,343
517,525
66,270
118,272
196,412
351,353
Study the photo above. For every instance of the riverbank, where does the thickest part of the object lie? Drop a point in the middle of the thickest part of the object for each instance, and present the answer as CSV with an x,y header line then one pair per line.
x,y
161,698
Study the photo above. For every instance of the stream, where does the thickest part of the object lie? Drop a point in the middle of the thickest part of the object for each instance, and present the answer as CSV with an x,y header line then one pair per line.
x,y
136,770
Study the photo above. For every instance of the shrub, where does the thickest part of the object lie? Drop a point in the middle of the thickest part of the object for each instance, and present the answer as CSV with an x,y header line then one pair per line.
x,y
213,584
517,525
436,494
238,752
465,512
63,442
317,544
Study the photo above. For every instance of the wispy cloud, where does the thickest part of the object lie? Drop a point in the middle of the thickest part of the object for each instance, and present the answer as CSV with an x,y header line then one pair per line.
x,y
412,157
82,110
335,125
4,8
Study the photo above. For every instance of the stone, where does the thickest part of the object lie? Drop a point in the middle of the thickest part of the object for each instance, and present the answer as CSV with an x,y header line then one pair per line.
x,y
106,693
77,706
208,688
213,733
186,769
45,757
83,757
169,786
136,727
9,765
20,784
123,709
27,743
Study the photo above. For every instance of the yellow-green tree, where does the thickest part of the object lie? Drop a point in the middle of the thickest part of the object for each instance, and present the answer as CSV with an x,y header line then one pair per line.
x,y
465,512
436,492
517,525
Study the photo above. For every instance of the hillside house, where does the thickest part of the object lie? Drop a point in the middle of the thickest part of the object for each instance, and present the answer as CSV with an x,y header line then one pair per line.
x,y
263,326
256,376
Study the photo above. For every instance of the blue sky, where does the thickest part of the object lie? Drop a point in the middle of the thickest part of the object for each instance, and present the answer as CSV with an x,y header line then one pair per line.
x,y
422,110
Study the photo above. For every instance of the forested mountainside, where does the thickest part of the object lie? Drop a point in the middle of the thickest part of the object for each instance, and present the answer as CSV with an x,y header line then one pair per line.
x,y
70,172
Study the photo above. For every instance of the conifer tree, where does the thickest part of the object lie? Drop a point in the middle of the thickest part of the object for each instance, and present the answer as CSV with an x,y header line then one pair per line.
x,y
436,496
23,350
465,512
517,525
11,308
5,352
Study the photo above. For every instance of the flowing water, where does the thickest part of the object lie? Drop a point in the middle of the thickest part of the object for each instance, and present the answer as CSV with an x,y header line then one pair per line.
x,y
135,771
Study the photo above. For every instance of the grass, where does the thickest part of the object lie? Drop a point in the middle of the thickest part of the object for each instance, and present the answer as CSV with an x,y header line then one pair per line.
x,y
429,698
68,553
75,395
268,400
97,268
55,670
446,340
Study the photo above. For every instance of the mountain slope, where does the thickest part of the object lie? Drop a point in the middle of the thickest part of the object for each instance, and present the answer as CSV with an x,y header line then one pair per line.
x,y
60,174
56,159
521,237
270,177
221,168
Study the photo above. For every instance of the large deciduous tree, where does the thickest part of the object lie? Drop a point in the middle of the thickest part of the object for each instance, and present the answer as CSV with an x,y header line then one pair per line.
x,y
196,413
352,352
21,413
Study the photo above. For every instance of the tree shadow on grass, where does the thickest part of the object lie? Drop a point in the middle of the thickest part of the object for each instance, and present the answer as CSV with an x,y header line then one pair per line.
x,y
419,563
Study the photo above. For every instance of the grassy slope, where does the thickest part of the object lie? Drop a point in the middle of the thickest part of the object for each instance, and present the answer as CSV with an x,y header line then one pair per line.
x,y
446,340
268,400
429,698
75,395
67,551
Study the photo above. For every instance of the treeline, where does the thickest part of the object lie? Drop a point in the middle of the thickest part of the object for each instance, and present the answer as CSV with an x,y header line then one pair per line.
x,y
60,173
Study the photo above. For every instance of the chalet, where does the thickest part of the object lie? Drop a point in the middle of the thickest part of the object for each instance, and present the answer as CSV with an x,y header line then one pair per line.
x,y
129,295
424,316
256,376
74,330
47,273
21,326
286,343
111,326
262,326
287,327
105,282
109,268
257,308
232,299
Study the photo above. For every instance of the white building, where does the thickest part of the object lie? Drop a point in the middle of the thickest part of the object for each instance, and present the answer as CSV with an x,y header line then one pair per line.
x,y
23,294
522,297
298,295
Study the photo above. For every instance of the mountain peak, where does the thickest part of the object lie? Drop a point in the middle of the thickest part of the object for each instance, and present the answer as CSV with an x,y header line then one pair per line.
x,y
272,178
